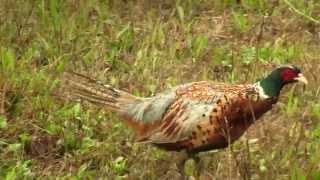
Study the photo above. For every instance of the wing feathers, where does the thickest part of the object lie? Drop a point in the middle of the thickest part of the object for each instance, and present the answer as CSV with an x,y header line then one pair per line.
x,y
196,105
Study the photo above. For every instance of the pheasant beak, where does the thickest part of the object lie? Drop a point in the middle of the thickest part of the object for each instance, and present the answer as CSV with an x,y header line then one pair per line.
x,y
301,78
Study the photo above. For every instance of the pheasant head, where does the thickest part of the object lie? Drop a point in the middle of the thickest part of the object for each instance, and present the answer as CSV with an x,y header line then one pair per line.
x,y
271,85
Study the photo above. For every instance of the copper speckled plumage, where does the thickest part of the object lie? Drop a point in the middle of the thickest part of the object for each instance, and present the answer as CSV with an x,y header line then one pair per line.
x,y
194,117
205,116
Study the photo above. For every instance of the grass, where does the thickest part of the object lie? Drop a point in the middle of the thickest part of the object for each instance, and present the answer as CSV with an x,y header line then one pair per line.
x,y
145,47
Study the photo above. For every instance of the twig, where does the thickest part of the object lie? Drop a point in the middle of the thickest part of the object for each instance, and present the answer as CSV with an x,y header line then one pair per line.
x,y
260,33
2,100
301,13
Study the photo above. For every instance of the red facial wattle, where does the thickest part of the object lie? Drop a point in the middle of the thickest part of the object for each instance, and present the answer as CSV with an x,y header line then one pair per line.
x,y
288,75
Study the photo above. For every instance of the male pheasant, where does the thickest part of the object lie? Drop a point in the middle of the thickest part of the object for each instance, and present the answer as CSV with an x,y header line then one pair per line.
x,y
194,117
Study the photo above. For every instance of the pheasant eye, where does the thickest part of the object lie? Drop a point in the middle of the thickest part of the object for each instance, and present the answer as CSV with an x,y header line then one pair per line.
x,y
288,75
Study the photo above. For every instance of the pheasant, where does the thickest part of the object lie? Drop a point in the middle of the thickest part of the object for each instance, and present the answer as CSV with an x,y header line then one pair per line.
x,y
193,117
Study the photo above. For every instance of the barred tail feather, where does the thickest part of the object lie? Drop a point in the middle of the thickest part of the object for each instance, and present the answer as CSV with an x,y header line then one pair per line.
x,y
85,88
143,115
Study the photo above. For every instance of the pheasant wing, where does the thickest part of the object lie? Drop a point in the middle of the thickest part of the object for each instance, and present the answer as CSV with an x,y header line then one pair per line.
x,y
193,106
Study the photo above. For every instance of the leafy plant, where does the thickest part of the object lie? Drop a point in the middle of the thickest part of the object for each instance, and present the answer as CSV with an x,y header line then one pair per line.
x,y
240,21
20,170
119,165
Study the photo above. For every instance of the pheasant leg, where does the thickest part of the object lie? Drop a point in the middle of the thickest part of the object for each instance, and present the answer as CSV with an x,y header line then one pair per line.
x,y
198,164
182,158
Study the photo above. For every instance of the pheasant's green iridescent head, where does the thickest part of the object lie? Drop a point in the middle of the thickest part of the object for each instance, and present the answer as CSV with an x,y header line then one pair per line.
x,y
279,77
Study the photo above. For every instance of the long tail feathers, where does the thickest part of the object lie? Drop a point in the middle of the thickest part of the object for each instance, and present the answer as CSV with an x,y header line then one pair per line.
x,y
81,87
